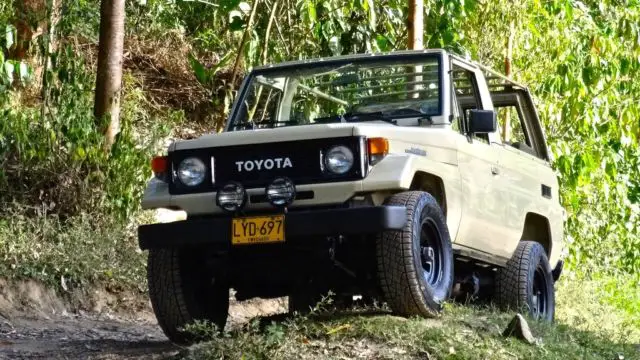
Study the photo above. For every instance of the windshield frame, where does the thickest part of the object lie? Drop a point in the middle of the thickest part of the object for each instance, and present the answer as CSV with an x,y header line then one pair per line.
x,y
360,59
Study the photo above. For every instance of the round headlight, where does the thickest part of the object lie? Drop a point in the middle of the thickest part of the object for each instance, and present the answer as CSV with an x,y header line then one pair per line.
x,y
191,171
231,197
281,191
339,159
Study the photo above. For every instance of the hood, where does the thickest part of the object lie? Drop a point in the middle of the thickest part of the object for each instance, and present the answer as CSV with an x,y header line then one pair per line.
x,y
260,136
434,135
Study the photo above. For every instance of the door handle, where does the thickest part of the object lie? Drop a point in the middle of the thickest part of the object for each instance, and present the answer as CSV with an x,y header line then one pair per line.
x,y
495,170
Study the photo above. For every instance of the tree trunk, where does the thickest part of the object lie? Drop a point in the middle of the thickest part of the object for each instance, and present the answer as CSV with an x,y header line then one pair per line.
x,y
30,20
506,125
245,38
416,24
53,15
109,77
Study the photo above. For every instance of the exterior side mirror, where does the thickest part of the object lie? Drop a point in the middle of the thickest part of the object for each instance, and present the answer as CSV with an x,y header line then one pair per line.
x,y
482,121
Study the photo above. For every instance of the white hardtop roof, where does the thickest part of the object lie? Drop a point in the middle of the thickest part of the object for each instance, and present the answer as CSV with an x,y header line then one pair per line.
x,y
490,73
341,58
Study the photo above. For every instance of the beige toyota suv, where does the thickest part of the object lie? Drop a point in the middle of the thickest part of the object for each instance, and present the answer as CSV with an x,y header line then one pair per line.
x,y
408,177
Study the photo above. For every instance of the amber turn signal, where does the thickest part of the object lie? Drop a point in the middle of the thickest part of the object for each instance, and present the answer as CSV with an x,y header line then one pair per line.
x,y
378,146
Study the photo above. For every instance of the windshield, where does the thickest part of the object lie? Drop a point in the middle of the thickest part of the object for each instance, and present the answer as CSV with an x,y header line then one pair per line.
x,y
362,90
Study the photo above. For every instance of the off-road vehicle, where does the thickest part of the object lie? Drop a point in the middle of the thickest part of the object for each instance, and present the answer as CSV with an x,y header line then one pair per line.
x,y
384,176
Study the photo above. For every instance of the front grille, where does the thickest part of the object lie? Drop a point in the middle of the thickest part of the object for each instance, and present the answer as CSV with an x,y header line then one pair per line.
x,y
256,165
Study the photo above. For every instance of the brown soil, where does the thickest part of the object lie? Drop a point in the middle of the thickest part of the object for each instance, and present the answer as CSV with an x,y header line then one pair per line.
x,y
37,323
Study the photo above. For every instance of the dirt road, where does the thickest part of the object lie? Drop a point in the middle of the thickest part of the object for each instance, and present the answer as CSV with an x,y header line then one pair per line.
x,y
82,336
44,331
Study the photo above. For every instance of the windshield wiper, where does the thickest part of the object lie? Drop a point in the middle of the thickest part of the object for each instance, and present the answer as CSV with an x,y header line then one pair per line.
x,y
388,116
409,113
369,116
253,125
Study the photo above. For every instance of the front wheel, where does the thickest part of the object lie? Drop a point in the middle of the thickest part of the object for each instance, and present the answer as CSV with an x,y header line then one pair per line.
x,y
415,264
526,283
183,291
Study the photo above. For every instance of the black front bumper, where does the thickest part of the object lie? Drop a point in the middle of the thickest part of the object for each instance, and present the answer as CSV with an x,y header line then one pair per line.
x,y
217,230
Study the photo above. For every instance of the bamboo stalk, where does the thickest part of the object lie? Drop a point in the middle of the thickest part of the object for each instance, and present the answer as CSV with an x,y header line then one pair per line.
x,y
268,32
265,52
506,125
245,35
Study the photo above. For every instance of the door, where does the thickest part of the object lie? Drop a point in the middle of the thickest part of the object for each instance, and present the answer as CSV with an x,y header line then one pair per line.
x,y
478,162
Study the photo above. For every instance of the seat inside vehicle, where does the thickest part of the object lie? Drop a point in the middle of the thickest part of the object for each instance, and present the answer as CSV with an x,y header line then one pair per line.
x,y
524,147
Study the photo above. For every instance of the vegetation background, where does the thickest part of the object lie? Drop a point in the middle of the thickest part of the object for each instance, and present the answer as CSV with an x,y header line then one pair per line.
x,y
68,209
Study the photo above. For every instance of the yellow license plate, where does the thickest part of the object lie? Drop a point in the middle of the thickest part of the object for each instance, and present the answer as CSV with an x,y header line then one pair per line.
x,y
257,230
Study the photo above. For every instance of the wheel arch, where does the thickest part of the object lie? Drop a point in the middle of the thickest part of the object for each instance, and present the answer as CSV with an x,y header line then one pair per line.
x,y
432,184
537,228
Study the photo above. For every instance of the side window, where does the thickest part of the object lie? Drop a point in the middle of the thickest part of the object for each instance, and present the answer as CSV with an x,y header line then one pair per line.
x,y
513,128
466,98
456,122
510,124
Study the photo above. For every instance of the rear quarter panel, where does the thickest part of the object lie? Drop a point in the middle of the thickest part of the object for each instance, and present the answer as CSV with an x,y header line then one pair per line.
x,y
526,175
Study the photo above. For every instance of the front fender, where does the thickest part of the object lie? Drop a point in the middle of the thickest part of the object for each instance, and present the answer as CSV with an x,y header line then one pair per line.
x,y
396,172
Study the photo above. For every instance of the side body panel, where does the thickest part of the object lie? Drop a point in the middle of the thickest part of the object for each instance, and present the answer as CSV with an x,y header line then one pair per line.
x,y
524,176
482,227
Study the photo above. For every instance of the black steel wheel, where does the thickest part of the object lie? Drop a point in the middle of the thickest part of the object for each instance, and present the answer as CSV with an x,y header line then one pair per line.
x,y
526,283
415,264
539,294
431,251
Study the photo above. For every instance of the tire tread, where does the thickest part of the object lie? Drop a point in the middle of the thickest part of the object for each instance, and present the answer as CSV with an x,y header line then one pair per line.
x,y
397,274
169,301
514,281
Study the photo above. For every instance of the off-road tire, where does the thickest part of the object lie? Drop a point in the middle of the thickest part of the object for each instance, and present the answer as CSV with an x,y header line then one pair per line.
x,y
181,291
399,262
515,283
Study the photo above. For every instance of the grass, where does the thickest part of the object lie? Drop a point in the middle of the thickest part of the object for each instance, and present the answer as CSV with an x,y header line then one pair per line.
x,y
588,326
81,250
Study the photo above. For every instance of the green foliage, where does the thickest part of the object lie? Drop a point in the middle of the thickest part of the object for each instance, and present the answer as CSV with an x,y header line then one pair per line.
x,y
58,160
82,250
66,205
11,71
80,18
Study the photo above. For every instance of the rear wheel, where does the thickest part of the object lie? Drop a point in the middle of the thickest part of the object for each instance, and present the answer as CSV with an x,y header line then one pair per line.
x,y
415,264
526,283
183,290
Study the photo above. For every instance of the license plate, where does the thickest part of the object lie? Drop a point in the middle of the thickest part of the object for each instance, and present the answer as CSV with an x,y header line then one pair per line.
x,y
257,230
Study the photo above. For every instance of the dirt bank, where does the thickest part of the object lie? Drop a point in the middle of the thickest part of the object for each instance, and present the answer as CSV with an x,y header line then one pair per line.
x,y
38,323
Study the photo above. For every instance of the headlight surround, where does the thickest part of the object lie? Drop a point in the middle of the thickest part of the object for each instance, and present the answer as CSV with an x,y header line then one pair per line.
x,y
281,191
339,159
192,171
231,197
